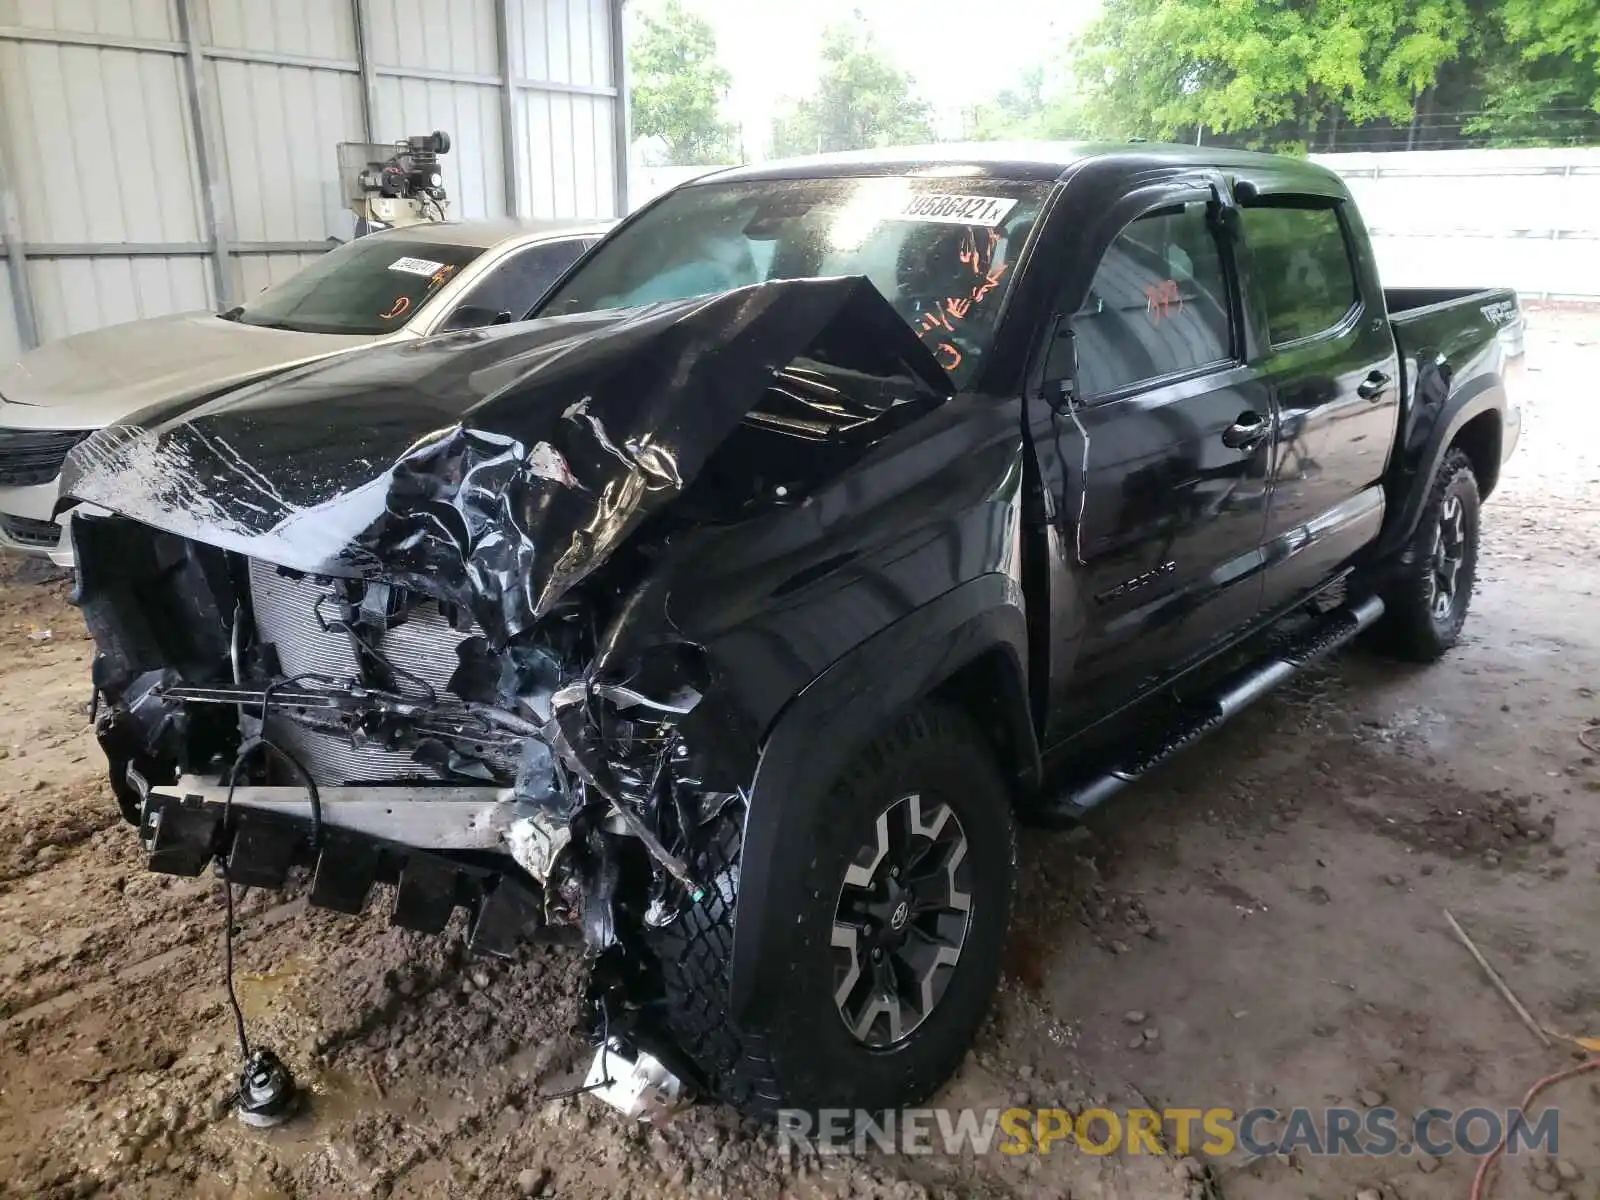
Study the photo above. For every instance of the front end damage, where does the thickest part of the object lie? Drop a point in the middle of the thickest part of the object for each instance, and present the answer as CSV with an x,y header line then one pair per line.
x,y
403,623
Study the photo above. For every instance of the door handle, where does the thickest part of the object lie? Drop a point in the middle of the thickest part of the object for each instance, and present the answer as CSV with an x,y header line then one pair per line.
x,y
1373,386
1245,432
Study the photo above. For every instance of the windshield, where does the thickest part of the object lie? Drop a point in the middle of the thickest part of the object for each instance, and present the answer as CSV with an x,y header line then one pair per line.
x,y
939,250
373,285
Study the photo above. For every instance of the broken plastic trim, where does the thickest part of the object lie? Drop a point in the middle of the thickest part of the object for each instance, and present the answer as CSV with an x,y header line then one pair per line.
x,y
638,1085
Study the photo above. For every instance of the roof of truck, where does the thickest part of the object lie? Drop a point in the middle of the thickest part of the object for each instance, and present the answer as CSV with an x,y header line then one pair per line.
x,y
1040,161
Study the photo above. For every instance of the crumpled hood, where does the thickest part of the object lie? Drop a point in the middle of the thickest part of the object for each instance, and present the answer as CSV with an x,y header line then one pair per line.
x,y
494,469
105,375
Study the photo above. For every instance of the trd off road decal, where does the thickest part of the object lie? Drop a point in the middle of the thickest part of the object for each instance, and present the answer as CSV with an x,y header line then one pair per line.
x,y
1500,312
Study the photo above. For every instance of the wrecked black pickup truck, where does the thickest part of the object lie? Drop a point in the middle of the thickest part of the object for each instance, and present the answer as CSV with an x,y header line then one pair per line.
x,y
734,611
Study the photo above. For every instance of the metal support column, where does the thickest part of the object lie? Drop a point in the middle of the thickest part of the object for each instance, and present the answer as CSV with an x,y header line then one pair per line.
x,y
622,133
510,149
11,239
369,76
213,192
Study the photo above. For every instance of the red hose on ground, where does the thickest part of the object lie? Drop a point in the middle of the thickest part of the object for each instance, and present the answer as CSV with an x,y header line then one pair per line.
x,y
1480,1179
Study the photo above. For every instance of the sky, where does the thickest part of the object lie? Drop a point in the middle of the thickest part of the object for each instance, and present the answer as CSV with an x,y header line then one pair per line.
x,y
961,52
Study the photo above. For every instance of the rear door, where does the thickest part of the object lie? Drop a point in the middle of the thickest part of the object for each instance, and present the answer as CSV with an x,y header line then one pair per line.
x,y
1156,460
1331,364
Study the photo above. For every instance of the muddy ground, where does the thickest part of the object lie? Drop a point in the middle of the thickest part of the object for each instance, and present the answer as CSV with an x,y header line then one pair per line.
x,y
1272,905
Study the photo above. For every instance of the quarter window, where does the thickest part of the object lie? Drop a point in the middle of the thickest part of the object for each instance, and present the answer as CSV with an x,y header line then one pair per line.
x,y
1300,264
1158,305
520,282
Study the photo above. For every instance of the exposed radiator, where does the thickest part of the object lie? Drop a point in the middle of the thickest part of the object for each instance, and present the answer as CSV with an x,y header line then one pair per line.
x,y
423,644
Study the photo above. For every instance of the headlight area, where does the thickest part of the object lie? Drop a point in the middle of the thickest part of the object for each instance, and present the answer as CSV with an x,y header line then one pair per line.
x,y
365,734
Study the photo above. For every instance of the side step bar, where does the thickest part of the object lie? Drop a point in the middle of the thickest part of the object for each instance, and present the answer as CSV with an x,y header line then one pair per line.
x,y
1195,720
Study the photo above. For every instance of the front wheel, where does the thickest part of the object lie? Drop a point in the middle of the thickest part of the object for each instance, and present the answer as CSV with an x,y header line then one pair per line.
x,y
892,960
1426,602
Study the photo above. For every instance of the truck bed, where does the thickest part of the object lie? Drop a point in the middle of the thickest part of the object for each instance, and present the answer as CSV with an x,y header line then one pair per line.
x,y
1403,302
1438,319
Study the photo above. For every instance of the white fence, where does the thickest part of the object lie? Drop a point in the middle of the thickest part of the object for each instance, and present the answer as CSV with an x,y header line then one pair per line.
x,y
1527,219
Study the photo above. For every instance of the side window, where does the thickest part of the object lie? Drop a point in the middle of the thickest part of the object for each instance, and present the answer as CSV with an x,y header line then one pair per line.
x,y
518,283
1158,304
1300,263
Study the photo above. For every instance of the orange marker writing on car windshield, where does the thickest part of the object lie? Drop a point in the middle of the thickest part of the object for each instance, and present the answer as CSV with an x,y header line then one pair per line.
x,y
956,308
401,306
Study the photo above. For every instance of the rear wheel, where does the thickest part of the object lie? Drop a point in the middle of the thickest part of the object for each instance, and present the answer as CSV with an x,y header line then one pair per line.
x,y
1426,602
896,951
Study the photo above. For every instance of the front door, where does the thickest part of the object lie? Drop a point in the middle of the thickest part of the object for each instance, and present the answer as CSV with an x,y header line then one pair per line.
x,y
1156,461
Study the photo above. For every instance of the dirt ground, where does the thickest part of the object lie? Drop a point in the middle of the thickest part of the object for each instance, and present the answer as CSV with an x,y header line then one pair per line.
x,y
1272,904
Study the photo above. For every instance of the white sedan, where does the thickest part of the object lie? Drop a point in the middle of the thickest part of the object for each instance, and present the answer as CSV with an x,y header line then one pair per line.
x,y
401,283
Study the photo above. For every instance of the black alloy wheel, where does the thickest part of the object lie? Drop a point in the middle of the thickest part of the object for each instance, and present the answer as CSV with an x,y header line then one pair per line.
x,y
901,921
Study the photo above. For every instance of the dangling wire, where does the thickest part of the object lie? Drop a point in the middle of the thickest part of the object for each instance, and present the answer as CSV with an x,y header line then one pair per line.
x,y
605,1079
246,749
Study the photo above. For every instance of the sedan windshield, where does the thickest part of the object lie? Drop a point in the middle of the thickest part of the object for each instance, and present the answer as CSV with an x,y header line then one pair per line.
x,y
371,286
940,250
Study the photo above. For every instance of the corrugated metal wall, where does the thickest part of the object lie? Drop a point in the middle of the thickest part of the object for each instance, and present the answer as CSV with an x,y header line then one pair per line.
x,y
568,44
161,155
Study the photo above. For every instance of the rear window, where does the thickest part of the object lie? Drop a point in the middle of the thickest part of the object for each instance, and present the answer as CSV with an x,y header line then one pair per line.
x,y
372,286
1301,268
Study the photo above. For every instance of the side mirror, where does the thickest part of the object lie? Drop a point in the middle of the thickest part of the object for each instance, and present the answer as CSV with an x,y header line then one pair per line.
x,y
472,316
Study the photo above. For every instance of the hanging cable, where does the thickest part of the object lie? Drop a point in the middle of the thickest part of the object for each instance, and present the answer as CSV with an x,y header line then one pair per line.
x,y
266,1090
605,1079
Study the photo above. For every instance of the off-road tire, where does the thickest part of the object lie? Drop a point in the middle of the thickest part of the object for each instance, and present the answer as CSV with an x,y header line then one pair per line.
x,y
806,1058
1410,628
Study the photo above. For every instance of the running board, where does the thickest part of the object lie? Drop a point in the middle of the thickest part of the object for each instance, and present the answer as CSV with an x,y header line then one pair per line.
x,y
1196,719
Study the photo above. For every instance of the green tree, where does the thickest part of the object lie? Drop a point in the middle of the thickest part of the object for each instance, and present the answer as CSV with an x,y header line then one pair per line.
x,y
862,100
1559,32
678,87
1541,84
1012,113
1272,70
1052,110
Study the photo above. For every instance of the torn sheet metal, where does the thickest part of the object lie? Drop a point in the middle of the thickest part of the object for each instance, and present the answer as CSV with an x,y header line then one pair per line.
x,y
493,470
536,841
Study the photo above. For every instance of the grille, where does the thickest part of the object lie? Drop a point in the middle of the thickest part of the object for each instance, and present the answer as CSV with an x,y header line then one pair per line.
x,y
29,457
27,531
424,644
